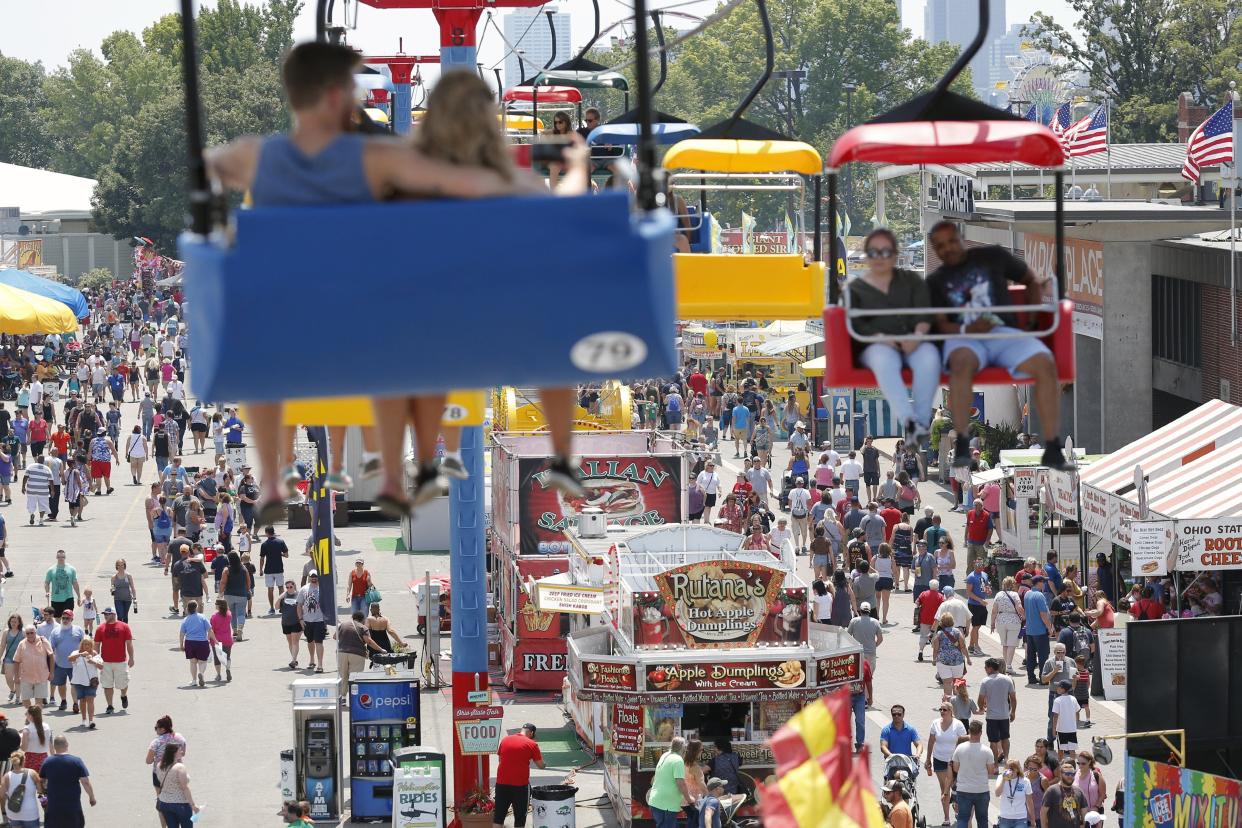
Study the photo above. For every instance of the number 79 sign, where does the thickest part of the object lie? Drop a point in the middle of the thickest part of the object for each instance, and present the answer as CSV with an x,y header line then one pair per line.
x,y
479,729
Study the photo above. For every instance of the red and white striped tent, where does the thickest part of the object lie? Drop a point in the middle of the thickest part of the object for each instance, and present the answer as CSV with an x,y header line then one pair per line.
x,y
1192,470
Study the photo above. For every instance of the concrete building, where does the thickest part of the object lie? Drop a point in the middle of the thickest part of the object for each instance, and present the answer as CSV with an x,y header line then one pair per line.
x,y
53,216
527,30
956,21
1112,250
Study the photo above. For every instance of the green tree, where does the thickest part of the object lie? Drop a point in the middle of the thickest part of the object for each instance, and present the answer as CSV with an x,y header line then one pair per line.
x,y
142,184
710,73
24,138
96,277
1142,54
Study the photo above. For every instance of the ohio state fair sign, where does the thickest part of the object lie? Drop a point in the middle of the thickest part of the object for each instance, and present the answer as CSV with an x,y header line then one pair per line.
x,y
1161,546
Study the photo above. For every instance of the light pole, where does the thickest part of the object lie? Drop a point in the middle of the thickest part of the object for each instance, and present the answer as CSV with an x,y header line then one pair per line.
x,y
793,92
849,87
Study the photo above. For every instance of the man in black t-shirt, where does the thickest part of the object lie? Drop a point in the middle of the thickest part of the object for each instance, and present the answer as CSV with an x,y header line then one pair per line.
x,y
976,280
272,556
193,580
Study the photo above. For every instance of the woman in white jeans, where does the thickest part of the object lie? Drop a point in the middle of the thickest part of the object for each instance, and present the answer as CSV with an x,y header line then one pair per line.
x,y
884,286
1008,616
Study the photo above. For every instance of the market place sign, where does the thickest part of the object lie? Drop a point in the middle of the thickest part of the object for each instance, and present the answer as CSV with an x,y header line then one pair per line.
x,y
722,603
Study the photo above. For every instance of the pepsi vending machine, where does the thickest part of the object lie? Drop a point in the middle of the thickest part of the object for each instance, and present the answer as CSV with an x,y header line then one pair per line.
x,y
383,717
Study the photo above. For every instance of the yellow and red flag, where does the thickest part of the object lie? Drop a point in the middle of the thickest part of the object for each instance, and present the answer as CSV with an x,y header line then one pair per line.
x,y
857,798
813,757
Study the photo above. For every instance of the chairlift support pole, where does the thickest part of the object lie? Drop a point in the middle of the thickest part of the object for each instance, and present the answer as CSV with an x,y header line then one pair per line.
x,y
646,144
200,189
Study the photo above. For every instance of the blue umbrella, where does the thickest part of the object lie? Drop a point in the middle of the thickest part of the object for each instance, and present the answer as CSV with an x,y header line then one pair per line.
x,y
68,296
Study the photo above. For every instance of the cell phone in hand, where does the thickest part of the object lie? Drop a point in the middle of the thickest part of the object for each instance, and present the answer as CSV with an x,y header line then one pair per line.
x,y
551,151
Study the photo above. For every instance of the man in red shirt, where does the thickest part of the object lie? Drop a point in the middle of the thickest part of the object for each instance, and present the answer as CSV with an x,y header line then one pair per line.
x,y
697,382
1147,608
978,530
116,648
515,754
928,607
892,517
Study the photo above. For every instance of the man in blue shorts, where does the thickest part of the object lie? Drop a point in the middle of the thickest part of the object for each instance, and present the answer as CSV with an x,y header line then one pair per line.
x,y
978,279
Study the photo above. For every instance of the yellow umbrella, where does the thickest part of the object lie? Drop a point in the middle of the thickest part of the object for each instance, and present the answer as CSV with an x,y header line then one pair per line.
x,y
22,312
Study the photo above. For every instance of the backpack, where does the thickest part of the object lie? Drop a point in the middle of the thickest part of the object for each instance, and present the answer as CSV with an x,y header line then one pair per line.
x,y
1082,641
162,520
18,797
674,405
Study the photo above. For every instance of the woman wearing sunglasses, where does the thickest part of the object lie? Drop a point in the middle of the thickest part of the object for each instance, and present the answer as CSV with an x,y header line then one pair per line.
x,y
887,287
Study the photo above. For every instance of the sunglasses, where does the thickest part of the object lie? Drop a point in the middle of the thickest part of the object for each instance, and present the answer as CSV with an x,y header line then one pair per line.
x,y
880,252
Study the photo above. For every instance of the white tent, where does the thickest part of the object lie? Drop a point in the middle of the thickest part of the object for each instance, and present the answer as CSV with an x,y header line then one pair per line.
x,y
41,191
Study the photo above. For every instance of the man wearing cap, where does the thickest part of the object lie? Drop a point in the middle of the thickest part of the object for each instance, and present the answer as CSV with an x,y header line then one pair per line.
x,y
899,815
867,632
514,755
927,610
65,640
116,648
1038,628
1058,670
311,617
798,438
709,805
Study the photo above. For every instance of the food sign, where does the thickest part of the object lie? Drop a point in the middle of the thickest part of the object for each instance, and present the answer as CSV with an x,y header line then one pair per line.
x,y
719,604
836,670
631,491
726,677
608,675
627,729
1162,546
479,729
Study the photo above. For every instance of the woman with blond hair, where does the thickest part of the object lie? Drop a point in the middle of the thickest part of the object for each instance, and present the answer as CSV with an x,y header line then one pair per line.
x,y
21,810
1008,615
461,127
84,668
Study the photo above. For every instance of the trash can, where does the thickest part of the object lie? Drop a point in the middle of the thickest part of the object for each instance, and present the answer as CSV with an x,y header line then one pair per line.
x,y
1006,568
554,805
860,430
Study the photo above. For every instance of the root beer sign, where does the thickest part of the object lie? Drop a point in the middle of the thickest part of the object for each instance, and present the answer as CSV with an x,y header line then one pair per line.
x,y
716,604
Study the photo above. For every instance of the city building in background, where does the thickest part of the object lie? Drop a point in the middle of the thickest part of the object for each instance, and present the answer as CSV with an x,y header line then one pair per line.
x,y
527,30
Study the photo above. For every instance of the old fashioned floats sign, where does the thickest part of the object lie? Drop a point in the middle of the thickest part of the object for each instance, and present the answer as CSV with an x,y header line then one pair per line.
x,y
627,729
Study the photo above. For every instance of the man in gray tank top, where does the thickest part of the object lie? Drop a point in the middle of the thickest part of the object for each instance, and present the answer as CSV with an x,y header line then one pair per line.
x,y
322,161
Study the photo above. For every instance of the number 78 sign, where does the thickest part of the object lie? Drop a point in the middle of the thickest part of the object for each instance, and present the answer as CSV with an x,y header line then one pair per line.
x,y
479,729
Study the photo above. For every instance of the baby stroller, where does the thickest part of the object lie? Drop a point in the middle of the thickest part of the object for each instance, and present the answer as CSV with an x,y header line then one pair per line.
x,y
905,769
787,486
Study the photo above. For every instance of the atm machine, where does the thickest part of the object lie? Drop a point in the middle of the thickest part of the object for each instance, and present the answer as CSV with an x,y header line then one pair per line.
x,y
317,746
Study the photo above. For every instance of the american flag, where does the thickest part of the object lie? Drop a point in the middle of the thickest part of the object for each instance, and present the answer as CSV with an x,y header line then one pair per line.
x,y
1032,114
1088,136
1210,143
1061,119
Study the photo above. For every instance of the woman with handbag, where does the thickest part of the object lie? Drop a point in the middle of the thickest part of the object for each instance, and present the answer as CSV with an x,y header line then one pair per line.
x,y
85,666
359,586
19,793
14,634
224,520
137,449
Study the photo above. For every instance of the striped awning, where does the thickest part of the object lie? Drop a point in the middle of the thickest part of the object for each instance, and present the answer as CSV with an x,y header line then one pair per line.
x,y
1207,487
1210,428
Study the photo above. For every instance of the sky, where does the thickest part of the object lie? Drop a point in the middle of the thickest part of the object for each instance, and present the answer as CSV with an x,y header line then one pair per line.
x,y
49,30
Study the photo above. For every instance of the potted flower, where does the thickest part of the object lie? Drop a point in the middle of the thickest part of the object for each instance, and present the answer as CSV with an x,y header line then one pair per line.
x,y
476,808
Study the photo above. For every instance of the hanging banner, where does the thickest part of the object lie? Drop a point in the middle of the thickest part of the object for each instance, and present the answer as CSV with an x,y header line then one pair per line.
x,y
1095,511
1112,644
1165,796
1063,487
631,491
627,729
1152,545
1121,514
1084,277
1186,545
841,414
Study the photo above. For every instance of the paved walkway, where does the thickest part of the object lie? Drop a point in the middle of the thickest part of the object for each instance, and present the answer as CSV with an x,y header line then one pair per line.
x,y
236,731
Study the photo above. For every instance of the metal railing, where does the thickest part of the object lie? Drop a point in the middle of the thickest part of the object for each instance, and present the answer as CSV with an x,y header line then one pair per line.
x,y
851,314
781,182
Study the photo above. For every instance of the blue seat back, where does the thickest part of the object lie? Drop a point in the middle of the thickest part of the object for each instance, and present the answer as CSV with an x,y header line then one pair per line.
x,y
419,297
701,240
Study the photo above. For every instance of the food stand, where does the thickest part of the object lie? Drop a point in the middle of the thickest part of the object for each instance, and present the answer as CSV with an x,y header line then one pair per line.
x,y
1026,522
634,478
699,641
